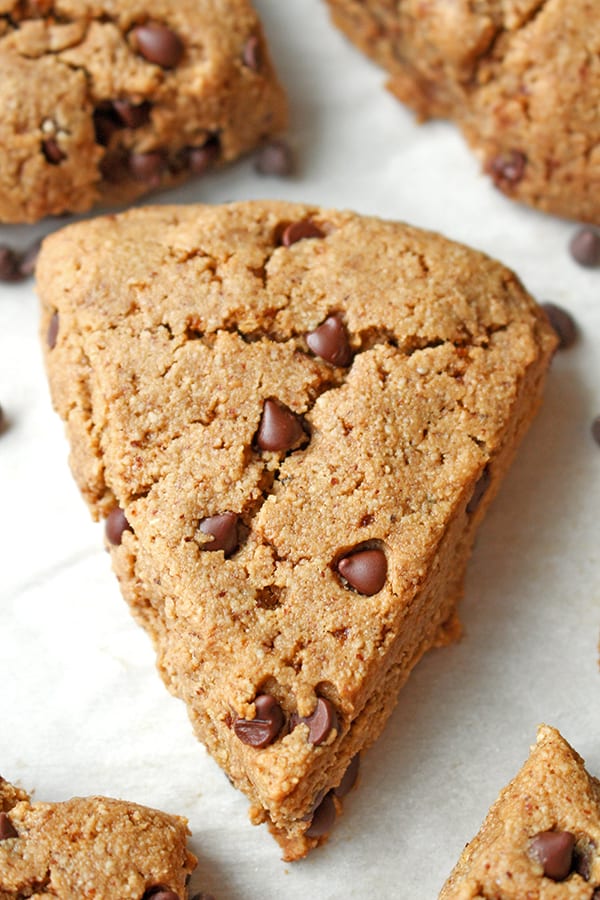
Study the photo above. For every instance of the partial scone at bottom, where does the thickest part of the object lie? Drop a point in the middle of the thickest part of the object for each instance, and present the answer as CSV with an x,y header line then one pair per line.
x,y
294,420
540,839
102,101
521,78
90,847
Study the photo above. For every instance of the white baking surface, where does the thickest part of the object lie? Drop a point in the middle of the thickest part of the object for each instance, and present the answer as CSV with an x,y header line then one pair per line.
x,y
82,710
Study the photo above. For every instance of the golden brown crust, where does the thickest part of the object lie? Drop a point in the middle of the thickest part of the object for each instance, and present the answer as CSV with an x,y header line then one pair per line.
x,y
175,326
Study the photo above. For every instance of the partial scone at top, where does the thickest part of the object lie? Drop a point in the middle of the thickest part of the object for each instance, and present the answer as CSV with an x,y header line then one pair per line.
x,y
294,419
520,77
90,847
104,100
540,839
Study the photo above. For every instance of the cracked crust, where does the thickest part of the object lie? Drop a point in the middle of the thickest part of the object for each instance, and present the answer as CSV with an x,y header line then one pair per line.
x,y
65,62
520,77
90,847
175,325
552,792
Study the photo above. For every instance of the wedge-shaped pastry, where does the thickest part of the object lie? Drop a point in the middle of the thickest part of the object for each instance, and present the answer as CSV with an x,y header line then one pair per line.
x,y
529,112
90,847
293,419
541,837
105,100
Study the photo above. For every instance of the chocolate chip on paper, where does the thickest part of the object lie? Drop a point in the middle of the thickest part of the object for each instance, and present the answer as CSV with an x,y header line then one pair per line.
x,y
275,158
563,324
585,247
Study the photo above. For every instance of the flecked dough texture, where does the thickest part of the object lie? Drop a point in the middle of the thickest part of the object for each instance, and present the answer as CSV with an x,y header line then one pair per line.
x,y
175,334
552,792
90,112
520,77
89,847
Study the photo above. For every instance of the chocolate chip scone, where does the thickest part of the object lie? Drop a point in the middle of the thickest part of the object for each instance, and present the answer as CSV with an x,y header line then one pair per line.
x,y
294,420
541,837
104,100
90,847
521,78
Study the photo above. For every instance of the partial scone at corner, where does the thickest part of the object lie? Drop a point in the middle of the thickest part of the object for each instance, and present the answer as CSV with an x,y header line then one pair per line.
x,y
102,101
541,837
90,847
521,78
294,420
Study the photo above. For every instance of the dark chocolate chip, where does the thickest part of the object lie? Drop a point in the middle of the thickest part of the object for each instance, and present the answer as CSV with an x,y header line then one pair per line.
x,y
279,427
130,114
200,159
160,894
562,323
349,778
251,54
323,818
330,342
320,722
265,726
596,429
106,122
116,524
147,166
299,231
158,44
54,155
585,247
554,850
52,333
9,265
507,169
275,158
481,486
224,530
29,259
7,829
364,570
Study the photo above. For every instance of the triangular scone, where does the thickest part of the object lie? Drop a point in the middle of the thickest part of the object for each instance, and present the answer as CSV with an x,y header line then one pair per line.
x,y
541,837
303,414
90,847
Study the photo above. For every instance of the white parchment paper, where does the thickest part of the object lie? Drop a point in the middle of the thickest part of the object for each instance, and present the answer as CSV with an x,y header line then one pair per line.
x,y
82,710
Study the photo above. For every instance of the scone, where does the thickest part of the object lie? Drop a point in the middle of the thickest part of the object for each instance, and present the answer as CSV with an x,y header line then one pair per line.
x,y
104,100
90,847
521,78
540,838
293,420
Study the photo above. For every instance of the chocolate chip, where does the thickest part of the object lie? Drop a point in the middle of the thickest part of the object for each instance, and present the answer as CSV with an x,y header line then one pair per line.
x,y
52,333
481,486
251,54
299,231
7,829
330,342
29,259
158,44
54,155
275,158
224,530
130,114
562,323
596,429
364,570
106,122
554,850
160,894
323,818
200,159
116,524
507,169
349,778
9,265
265,726
585,247
320,722
147,166
279,427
